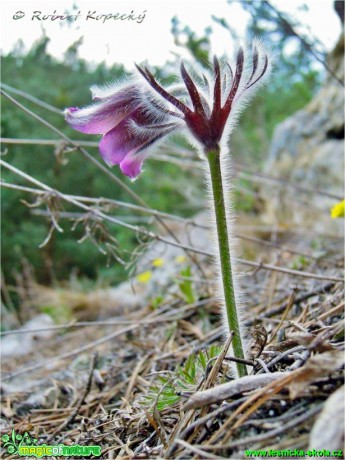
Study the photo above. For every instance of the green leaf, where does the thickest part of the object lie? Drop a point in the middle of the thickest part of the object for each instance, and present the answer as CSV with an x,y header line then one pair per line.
x,y
186,286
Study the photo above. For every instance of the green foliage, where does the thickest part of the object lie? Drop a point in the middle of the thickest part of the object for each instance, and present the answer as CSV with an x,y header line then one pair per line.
x,y
199,47
157,301
65,84
294,52
299,262
244,196
166,390
60,314
186,285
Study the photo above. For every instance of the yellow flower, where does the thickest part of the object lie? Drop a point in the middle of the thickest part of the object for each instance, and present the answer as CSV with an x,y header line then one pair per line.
x,y
180,259
338,210
144,277
158,263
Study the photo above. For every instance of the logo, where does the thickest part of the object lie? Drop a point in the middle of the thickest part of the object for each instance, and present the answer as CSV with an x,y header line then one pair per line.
x,y
26,446
14,441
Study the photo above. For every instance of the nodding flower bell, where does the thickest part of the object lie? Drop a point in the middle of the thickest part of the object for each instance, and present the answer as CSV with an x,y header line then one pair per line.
x,y
133,116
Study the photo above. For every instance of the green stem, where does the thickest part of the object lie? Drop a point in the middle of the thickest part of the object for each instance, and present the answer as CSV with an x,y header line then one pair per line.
x,y
213,157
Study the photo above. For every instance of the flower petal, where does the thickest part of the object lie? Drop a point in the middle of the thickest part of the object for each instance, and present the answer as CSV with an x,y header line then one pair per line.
x,y
106,113
125,144
115,145
132,163
96,119
128,91
122,140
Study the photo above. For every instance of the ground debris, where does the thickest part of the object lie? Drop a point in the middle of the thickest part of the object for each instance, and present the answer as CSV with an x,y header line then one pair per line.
x,y
137,400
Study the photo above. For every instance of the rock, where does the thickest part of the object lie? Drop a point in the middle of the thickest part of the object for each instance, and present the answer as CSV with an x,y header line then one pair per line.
x,y
308,147
19,344
86,306
328,430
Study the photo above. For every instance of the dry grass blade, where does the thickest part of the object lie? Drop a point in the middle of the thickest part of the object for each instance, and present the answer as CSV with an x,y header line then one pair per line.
x,y
270,434
289,305
102,216
253,403
197,450
74,413
210,380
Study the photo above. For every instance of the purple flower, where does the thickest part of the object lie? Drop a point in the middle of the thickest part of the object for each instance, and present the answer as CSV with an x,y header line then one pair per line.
x,y
132,117
128,122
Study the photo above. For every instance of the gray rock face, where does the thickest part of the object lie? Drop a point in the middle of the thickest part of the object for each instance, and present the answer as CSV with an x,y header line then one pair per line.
x,y
309,146
308,149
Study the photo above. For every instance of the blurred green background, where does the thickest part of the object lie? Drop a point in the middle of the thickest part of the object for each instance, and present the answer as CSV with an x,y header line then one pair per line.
x,y
165,186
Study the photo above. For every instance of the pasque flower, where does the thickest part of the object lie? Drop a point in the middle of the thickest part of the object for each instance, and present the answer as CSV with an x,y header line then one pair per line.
x,y
126,124
133,116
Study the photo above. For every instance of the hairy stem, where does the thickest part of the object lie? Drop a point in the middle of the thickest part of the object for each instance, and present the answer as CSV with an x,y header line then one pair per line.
x,y
213,157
